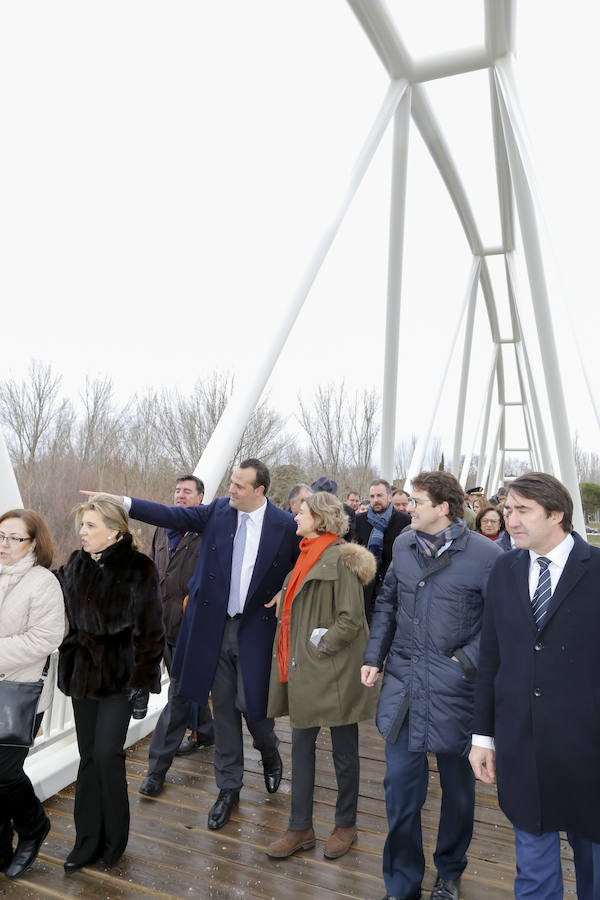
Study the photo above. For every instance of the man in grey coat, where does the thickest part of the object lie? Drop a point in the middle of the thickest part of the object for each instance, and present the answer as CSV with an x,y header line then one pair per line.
x,y
426,628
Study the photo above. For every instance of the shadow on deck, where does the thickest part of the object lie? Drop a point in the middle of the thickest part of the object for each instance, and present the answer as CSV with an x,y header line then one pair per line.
x,y
171,854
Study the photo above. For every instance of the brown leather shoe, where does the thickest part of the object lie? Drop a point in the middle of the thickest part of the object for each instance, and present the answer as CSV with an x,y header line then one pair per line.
x,y
340,841
290,842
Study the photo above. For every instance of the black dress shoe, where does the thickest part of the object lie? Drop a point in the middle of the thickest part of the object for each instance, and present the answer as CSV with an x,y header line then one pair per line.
x,y
26,852
221,810
190,745
5,857
445,889
273,770
73,865
152,785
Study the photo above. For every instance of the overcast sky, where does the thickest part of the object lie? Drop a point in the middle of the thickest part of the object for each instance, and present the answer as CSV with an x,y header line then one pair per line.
x,y
167,169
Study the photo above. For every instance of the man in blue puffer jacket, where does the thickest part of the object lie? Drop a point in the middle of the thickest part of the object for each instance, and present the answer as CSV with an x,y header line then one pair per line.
x,y
426,629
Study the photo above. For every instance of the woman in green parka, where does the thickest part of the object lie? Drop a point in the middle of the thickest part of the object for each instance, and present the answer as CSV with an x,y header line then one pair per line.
x,y
315,674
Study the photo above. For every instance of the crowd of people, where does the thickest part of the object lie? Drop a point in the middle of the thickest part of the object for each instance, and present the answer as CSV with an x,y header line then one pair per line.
x,y
466,626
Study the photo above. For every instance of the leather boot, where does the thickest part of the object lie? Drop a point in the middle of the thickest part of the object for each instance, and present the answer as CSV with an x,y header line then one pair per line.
x,y
27,850
340,841
290,842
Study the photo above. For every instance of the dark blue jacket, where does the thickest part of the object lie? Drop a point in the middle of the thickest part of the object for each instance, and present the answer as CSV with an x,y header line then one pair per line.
x,y
427,612
538,694
201,633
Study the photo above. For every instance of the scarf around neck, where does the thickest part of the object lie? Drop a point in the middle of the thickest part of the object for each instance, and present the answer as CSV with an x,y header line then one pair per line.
x,y
430,544
11,575
311,550
379,523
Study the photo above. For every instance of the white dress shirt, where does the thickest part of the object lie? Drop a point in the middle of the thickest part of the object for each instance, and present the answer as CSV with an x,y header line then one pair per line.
x,y
558,557
254,526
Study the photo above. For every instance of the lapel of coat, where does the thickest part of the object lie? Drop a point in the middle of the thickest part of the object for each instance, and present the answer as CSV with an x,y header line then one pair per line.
x,y
520,571
225,526
575,568
270,540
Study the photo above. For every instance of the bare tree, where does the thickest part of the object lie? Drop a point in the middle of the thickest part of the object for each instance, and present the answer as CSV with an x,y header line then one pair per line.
x,y
325,424
30,412
403,457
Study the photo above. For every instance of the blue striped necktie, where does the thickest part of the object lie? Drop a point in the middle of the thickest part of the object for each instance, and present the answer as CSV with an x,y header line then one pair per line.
x,y
239,545
543,591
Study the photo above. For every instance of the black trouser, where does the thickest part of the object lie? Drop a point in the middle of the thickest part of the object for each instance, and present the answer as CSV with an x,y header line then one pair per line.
x,y
228,706
101,803
19,806
177,715
344,739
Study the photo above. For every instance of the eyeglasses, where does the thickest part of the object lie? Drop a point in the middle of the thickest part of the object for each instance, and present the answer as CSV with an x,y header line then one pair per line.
x,y
12,538
413,502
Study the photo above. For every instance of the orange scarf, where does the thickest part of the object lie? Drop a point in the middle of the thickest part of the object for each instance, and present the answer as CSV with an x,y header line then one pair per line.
x,y
310,551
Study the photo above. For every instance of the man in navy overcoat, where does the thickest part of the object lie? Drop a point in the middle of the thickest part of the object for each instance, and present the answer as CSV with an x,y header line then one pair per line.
x,y
226,638
538,690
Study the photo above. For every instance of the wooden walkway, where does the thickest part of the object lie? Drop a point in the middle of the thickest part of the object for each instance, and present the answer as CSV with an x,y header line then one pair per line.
x,y
171,854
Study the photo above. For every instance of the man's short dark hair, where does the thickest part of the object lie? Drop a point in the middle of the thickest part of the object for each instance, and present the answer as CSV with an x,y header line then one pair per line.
x,y
442,486
263,476
295,490
352,491
197,481
382,481
400,491
549,492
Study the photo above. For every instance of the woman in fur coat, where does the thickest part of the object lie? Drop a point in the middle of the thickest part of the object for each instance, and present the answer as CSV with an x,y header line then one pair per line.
x,y
32,624
111,654
315,675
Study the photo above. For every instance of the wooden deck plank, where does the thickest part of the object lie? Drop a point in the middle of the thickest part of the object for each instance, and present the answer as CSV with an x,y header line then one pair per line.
x,y
171,853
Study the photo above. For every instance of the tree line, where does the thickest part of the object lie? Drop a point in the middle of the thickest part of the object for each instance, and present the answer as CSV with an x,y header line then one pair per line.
x,y
58,444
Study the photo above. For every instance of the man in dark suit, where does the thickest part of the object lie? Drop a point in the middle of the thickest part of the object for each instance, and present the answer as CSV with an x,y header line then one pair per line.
x,y
175,554
537,706
377,529
226,637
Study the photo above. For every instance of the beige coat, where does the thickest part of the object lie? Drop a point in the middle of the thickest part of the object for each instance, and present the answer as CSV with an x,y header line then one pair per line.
x,y
326,689
32,625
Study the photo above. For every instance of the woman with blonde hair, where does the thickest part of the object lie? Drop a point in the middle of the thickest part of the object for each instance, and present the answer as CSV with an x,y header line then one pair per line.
x,y
315,675
32,624
109,659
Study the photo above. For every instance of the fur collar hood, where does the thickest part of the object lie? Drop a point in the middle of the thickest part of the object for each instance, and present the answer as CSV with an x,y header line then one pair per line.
x,y
359,560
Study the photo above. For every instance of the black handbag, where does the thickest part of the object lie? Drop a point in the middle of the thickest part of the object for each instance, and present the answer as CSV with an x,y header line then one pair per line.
x,y
18,707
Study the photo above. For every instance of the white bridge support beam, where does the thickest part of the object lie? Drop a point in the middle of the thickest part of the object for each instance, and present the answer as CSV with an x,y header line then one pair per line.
x,y
394,292
523,184
422,444
246,394
10,496
464,373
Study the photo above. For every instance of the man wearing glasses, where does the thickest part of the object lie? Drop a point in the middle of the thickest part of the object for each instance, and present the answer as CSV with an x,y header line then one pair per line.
x,y
426,628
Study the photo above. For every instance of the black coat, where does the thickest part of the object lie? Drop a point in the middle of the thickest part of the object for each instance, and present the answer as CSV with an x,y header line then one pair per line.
x,y
397,523
115,640
538,694
174,572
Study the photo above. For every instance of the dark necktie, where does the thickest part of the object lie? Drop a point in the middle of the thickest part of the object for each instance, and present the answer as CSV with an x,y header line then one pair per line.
x,y
543,591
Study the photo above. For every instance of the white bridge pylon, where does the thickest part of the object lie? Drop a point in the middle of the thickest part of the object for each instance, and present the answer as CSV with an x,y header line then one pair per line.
x,y
547,436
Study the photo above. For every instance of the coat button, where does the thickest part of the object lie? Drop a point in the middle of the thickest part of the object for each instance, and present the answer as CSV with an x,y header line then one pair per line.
x,y
415,621
276,563
211,574
214,547
537,692
421,584
538,646
415,659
